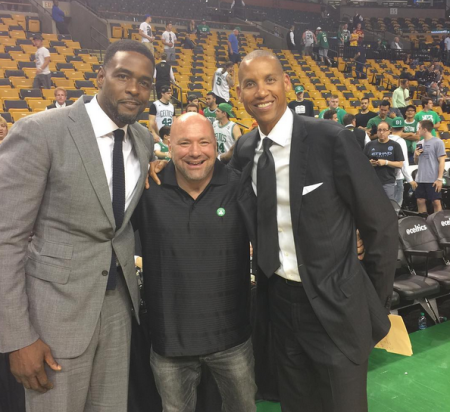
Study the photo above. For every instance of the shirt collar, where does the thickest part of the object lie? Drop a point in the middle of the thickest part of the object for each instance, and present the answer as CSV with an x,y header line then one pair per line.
x,y
101,122
60,105
281,134
220,175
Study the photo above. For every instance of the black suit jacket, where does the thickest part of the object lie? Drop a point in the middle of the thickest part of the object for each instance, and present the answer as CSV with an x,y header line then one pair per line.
x,y
351,300
359,134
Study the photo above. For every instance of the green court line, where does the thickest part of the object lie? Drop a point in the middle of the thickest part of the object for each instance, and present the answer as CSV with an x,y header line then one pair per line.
x,y
420,383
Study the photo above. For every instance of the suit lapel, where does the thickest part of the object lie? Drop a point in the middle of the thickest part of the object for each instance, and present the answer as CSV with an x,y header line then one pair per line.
x,y
141,153
82,133
298,163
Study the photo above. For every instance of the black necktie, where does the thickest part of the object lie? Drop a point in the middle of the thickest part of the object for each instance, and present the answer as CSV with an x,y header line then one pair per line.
x,y
118,197
267,229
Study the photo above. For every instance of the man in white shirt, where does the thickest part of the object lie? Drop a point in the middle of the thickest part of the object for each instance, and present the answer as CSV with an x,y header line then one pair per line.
x,y
67,296
327,311
447,48
290,39
42,59
309,38
169,39
145,31
60,99
396,135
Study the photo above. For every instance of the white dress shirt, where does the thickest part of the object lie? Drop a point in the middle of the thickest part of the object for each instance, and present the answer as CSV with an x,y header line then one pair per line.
x,y
103,129
291,34
281,135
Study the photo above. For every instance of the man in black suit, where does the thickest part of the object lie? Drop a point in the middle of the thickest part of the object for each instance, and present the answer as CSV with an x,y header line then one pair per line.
x,y
349,122
314,189
60,99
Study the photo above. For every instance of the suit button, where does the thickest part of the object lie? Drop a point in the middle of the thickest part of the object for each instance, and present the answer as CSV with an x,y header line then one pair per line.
x,y
105,273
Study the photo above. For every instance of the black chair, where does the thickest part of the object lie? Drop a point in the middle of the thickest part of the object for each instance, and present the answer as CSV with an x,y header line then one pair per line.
x,y
61,66
90,75
15,104
22,65
70,59
57,44
84,83
14,73
74,94
24,93
5,82
5,56
7,117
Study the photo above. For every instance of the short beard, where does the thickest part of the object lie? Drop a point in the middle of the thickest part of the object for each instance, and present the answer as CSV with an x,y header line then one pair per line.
x,y
119,118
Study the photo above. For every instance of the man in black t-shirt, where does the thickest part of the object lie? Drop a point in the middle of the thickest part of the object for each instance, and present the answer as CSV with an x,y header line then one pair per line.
x,y
385,156
365,114
301,106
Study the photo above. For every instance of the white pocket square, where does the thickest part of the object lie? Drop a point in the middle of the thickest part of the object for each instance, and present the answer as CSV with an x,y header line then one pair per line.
x,y
310,188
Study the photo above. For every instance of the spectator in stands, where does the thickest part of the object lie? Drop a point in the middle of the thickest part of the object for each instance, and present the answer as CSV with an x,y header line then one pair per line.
x,y
192,108
68,337
428,113
211,107
430,75
60,99
163,75
396,45
146,33
331,114
161,148
333,103
321,339
410,133
226,131
360,60
301,106
360,32
3,128
382,116
322,42
42,58
192,27
400,97
445,103
406,75
447,49
196,274
361,137
357,20
223,80
403,173
309,39
385,156
343,38
421,75
192,98
434,92
364,114
60,18
203,29
233,46
169,39
430,175
161,112
290,39
354,37
393,111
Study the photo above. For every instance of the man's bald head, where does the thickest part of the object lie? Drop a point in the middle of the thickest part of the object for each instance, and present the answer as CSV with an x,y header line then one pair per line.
x,y
191,120
258,54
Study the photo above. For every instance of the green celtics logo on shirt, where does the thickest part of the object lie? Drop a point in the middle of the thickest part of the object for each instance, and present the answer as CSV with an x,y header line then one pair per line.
x,y
220,212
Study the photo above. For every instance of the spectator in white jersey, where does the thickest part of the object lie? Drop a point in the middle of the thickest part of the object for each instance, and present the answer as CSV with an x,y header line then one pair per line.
x,y
222,81
169,39
161,112
309,38
145,31
226,131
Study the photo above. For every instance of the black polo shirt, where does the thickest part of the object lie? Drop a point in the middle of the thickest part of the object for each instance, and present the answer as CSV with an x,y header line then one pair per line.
x,y
196,265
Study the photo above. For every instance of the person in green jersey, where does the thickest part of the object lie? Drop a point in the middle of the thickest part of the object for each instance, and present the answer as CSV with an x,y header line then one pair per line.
x,y
333,103
203,29
162,147
410,133
322,41
373,123
211,107
428,113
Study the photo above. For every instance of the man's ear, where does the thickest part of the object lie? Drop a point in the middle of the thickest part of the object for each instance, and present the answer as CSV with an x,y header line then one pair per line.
x,y
101,77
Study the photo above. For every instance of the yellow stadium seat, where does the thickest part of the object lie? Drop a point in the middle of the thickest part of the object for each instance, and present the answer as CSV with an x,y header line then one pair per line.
x,y
87,58
22,82
9,94
57,58
34,26
64,51
73,44
74,75
19,56
17,34
50,37
39,105
83,67
8,41
29,72
19,115
28,48
49,94
66,83
89,92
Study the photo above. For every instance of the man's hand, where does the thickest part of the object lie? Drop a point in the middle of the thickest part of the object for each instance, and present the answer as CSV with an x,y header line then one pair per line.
x,y
418,152
155,167
374,163
437,185
27,366
413,185
360,246
38,71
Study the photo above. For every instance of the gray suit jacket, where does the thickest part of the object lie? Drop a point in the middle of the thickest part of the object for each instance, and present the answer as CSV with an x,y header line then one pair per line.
x,y
52,181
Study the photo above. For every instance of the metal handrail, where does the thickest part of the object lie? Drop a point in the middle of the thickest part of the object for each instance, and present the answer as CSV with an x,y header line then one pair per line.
x,y
180,100
94,39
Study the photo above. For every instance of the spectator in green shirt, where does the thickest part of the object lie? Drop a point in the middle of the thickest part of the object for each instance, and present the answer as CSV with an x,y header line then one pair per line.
x,y
428,113
162,147
400,96
203,29
373,123
333,103
322,41
410,133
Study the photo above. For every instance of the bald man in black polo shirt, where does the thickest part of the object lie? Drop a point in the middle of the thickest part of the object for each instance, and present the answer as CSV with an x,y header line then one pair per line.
x,y
196,273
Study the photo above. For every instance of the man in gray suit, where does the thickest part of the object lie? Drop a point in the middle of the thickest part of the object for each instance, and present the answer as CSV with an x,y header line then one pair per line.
x,y
74,177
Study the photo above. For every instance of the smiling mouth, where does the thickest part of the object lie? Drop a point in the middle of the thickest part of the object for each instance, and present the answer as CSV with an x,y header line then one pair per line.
x,y
263,105
196,163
